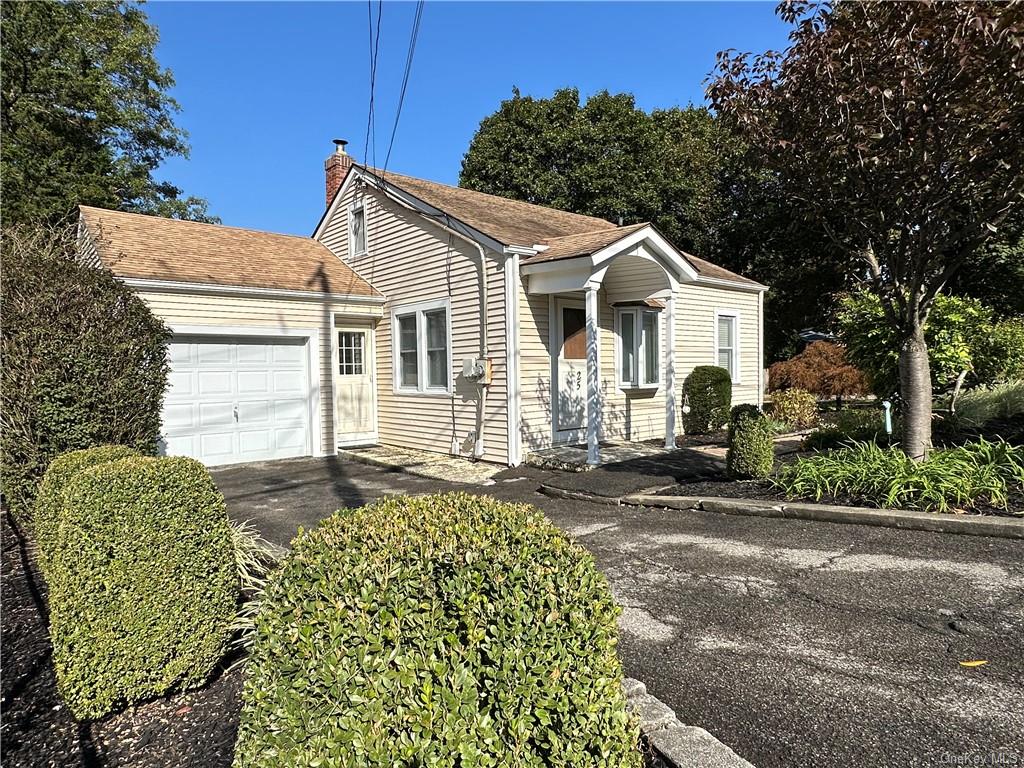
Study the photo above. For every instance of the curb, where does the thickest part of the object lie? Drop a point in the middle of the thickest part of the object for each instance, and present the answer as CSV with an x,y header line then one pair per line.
x,y
562,493
676,745
966,525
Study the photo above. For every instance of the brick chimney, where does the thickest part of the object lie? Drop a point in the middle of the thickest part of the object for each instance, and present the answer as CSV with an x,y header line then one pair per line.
x,y
335,168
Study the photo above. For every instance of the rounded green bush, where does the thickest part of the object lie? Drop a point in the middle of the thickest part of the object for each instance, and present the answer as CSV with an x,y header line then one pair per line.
x,y
448,630
143,586
84,360
751,451
708,393
796,407
55,481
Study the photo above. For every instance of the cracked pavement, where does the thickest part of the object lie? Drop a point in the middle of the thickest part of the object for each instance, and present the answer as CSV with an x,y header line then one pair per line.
x,y
793,642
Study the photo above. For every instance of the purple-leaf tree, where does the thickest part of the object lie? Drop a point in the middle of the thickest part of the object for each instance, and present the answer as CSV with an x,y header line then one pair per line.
x,y
908,120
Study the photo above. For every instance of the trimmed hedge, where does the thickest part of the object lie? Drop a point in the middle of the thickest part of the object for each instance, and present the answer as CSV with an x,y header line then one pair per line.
x,y
84,361
751,451
448,630
51,491
143,585
796,407
708,392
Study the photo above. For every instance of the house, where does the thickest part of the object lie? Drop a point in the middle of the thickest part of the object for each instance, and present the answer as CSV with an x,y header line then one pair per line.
x,y
431,317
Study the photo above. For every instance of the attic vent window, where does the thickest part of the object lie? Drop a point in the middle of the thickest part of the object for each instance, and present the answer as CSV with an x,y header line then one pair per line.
x,y
357,230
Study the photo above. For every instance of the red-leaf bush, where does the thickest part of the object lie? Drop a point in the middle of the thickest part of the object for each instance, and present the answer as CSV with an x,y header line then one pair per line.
x,y
822,369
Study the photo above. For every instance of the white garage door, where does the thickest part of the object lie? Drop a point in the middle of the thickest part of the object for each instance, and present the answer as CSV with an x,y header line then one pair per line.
x,y
235,400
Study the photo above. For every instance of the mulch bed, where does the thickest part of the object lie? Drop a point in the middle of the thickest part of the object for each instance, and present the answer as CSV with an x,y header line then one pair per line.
x,y
719,438
195,728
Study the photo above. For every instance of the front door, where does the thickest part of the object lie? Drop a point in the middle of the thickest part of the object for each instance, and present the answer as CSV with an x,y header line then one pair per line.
x,y
353,386
570,411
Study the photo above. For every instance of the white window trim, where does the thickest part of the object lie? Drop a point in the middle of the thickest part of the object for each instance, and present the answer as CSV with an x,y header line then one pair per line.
x,y
421,348
640,356
358,205
734,314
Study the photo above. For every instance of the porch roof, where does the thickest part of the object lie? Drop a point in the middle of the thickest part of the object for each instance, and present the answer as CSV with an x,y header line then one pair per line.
x,y
589,243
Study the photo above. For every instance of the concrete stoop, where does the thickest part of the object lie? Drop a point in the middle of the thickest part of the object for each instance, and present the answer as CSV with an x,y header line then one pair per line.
x,y
676,745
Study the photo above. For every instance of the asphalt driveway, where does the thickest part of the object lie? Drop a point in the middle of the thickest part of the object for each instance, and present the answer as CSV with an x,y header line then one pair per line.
x,y
795,643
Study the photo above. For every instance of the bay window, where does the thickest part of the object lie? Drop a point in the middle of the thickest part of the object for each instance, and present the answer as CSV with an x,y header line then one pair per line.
x,y
639,352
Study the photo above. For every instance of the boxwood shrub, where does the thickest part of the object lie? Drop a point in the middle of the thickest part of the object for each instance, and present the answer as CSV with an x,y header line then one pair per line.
x,y
143,586
708,393
751,451
448,630
51,491
797,407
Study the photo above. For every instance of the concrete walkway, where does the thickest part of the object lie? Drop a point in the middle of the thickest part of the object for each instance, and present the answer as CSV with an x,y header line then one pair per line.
x,y
795,643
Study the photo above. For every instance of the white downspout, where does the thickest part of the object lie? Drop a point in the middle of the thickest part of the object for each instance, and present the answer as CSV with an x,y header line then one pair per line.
x,y
514,436
481,412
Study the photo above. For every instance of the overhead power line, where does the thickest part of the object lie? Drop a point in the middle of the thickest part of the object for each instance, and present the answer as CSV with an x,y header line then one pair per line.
x,y
370,147
413,35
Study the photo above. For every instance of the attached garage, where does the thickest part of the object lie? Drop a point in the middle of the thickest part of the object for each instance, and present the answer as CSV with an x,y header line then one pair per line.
x,y
238,399
254,363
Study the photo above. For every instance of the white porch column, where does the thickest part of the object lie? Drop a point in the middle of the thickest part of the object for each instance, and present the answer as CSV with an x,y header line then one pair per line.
x,y
670,371
593,378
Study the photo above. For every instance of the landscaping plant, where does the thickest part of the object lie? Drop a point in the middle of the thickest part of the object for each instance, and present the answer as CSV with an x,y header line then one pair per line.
x,y
847,427
448,630
60,473
84,360
751,453
962,336
869,118
954,478
796,407
708,393
142,582
979,406
821,369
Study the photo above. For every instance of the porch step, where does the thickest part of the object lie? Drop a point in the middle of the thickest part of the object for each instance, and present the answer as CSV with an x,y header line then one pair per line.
x,y
550,460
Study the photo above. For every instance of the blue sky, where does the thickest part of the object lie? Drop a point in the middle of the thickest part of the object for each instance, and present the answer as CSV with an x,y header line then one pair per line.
x,y
264,87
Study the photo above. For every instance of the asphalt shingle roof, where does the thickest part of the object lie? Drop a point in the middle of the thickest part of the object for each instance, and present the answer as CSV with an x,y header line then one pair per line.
x,y
510,222
134,245
513,222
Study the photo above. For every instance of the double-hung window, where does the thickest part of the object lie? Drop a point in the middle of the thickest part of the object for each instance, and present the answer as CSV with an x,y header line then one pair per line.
x,y
639,354
727,345
357,229
422,348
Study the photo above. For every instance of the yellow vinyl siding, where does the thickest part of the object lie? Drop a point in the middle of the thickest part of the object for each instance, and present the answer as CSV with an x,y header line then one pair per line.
x,y
695,334
410,260
178,308
635,414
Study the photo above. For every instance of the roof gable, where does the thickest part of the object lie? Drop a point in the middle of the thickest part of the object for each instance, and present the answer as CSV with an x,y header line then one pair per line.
x,y
138,246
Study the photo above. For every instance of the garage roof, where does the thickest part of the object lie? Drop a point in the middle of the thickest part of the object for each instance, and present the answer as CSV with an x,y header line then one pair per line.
x,y
137,246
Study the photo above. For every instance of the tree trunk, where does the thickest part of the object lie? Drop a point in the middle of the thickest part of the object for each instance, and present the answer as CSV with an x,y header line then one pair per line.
x,y
916,393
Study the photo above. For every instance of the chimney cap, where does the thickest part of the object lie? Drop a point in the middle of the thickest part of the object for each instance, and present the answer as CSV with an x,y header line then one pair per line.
x,y
339,145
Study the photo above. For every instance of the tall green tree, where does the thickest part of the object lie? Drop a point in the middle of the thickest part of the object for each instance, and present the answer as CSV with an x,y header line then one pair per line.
x,y
906,119
998,278
86,113
678,168
604,157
